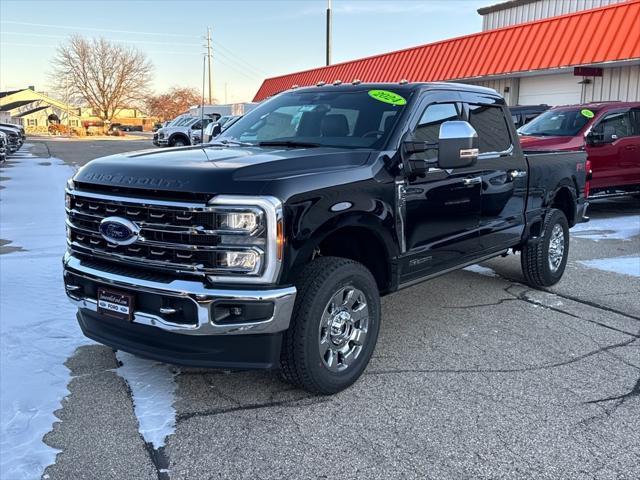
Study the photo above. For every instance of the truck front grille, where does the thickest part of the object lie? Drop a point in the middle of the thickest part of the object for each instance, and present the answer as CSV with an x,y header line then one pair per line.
x,y
176,236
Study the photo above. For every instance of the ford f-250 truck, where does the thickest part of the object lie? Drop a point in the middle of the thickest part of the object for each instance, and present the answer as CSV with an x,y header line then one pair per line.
x,y
271,246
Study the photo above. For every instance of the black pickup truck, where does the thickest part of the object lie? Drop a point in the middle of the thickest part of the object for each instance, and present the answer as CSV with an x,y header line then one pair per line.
x,y
271,247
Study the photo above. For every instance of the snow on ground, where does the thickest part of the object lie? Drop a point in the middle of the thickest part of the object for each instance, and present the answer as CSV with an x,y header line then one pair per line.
x,y
153,387
487,272
38,329
622,265
616,228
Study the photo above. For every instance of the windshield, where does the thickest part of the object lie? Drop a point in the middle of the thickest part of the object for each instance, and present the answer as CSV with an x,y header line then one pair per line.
x,y
344,119
561,123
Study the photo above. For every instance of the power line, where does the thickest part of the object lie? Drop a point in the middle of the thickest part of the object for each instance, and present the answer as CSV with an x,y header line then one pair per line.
x,y
151,42
163,34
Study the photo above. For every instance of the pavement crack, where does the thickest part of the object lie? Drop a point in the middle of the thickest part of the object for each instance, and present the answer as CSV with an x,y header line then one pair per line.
x,y
618,399
532,368
593,304
524,297
254,406
476,305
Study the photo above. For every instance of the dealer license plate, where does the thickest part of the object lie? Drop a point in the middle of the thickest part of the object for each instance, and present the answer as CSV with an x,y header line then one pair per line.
x,y
115,304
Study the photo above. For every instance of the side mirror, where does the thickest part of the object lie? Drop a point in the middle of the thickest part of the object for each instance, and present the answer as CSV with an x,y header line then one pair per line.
x,y
457,145
215,130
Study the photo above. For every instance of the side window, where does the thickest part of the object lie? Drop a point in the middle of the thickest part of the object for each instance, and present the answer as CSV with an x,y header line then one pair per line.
x,y
618,124
635,121
428,129
489,122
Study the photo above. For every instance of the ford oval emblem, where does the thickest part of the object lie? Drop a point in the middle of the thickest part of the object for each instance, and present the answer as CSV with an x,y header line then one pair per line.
x,y
119,231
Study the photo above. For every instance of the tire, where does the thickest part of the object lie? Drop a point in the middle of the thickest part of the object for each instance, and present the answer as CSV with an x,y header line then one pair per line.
x,y
326,349
178,142
543,261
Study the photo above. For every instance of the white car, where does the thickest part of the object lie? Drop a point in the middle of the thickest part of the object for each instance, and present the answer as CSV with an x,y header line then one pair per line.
x,y
178,133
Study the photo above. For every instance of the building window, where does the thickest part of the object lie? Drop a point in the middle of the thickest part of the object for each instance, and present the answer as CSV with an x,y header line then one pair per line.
x,y
73,123
489,122
32,122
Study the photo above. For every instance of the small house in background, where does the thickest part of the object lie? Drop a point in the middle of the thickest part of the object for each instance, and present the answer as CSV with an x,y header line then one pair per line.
x,y
37,112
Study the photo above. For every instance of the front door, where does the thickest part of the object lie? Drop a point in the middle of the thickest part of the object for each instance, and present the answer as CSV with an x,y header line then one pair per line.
x,y
616,161
442,206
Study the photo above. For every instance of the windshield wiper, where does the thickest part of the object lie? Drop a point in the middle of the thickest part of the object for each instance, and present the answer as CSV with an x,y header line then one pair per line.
x,y
287,143
227,143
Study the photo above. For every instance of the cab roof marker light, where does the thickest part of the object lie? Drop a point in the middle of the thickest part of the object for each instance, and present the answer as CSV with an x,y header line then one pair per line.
x,y
356,81
294,86
337,82
404,81
321,84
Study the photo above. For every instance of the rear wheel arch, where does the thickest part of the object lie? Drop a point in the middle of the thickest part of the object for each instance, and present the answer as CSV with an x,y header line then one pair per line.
x,y
564,199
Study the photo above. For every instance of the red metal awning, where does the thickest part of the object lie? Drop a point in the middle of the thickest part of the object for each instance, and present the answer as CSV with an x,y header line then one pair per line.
x,y
594,36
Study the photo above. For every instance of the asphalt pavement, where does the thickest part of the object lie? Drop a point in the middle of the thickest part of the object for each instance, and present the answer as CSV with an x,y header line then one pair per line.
x,y
475,375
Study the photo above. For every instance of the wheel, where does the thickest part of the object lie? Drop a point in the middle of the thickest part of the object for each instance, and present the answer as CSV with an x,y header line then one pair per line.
x,y
543,262
334,327
178,142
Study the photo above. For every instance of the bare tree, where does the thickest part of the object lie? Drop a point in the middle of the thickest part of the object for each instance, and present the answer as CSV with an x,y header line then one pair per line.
x,y
172,103
106,75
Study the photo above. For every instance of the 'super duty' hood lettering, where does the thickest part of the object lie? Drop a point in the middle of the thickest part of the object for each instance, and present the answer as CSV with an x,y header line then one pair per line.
x,y
128,180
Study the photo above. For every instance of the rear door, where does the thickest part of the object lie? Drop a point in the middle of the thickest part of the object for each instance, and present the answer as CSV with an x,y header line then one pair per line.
x,y
503,170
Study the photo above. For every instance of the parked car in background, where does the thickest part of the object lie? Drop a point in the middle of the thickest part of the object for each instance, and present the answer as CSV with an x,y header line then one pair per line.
x,y
14,139
158,125
215,128
178,133
608,131
19,128
523,114
271,246
3,147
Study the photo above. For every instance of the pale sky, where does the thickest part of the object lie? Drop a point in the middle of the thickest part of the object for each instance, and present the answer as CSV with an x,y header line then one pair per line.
x,y
252,39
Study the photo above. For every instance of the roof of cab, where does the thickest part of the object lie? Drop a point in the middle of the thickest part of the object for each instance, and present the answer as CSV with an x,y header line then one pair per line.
x,y
409,86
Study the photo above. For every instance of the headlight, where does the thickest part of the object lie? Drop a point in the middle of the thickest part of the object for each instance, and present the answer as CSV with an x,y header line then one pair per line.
x,y
240,261
251,238
237,221
161,135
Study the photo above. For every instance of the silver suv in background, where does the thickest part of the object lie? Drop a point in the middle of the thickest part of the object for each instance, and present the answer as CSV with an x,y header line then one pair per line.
x,y
178,132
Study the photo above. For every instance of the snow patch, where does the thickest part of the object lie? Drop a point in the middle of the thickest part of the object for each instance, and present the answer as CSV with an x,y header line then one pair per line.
x,y
153,389
487,272
616,228
622,265
38,328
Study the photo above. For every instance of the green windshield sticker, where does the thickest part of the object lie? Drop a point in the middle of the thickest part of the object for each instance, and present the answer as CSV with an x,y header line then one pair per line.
x,y
587,113
387,97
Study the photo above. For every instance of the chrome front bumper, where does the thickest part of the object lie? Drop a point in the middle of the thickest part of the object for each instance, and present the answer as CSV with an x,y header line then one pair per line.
x,y
203,297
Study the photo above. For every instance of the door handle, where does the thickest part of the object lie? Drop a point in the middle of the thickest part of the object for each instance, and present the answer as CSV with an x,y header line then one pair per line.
x,y
472,181
168,311
517,174
630,147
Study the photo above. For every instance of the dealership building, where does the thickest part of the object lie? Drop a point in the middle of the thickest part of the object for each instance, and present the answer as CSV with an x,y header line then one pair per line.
x,y
531,51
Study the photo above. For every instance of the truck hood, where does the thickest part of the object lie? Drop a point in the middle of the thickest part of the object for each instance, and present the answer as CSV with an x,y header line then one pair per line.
x,y
551,143
228,170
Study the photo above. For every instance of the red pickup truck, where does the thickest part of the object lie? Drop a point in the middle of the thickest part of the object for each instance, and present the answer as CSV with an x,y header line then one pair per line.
x,y
608,131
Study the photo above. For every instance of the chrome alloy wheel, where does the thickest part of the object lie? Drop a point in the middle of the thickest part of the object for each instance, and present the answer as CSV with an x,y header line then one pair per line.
x,y
343,328
556,247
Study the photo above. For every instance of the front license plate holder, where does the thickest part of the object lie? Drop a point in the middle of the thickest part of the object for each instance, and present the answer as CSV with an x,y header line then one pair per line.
x,y
115,304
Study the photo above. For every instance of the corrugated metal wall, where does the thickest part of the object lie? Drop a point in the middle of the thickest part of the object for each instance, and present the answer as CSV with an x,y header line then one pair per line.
x,y
538,10
616,83
621,83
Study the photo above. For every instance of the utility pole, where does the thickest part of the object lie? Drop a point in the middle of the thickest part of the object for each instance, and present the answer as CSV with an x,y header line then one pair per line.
x,y
209,58
328,32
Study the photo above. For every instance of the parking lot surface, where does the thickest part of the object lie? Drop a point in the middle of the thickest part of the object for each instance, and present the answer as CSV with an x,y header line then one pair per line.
x,y
475,375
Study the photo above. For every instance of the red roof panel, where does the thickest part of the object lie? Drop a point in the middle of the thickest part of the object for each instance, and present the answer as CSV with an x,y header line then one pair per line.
x,y
604,34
